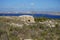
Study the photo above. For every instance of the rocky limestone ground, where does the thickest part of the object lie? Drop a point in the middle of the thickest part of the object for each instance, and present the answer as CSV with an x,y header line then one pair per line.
x,y
11,28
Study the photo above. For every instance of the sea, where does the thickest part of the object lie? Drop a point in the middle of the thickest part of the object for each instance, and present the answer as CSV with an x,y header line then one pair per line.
x,y
35,15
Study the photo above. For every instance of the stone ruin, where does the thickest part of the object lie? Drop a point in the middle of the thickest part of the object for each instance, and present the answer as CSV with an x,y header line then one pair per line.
x,y
27,19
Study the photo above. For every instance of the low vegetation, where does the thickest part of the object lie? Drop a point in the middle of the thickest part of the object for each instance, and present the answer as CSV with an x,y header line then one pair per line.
x,y
36,31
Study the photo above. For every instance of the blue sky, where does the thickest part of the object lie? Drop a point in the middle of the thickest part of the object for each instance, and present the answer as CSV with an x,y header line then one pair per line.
x,y
30,5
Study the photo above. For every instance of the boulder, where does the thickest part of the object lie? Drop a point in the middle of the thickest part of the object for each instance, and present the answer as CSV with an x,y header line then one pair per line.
x,y
27,19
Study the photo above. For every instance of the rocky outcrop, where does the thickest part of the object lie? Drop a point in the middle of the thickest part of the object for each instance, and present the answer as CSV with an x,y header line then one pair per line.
x,y
27,19
49,23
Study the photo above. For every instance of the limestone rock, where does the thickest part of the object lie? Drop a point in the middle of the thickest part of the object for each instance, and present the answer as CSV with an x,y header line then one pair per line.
x,y
27,19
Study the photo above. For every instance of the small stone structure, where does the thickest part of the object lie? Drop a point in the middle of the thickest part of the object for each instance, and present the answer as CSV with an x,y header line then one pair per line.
x,y
27,19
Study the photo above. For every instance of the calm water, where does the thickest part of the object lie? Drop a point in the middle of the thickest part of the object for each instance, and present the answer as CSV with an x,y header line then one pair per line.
x,y
35,15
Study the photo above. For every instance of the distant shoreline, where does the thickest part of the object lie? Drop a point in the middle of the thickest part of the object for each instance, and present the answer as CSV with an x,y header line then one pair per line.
x,y
35,15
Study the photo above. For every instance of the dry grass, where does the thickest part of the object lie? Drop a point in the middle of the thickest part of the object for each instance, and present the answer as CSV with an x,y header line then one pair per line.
x,y
35,31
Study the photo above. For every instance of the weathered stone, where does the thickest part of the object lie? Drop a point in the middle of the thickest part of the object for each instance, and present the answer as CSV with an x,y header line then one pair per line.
x,y
27,19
